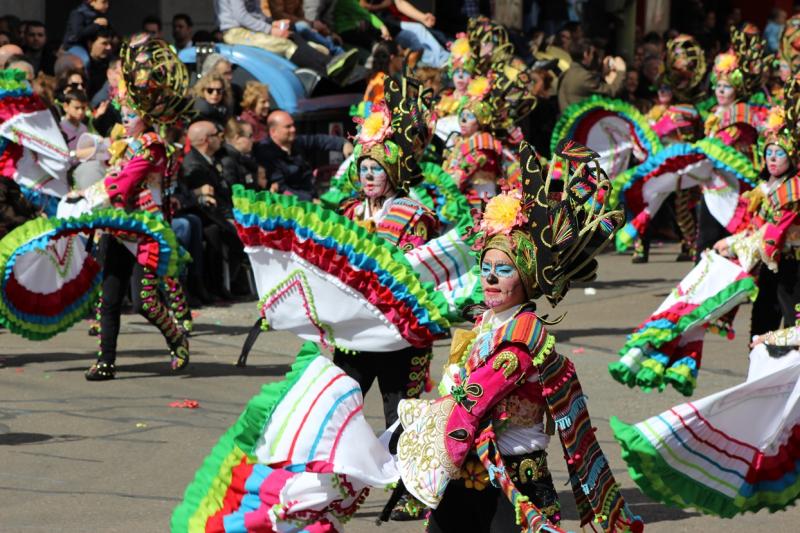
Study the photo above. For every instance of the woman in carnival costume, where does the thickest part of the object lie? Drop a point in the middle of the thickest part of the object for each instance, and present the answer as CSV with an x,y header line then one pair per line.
x,y
153,96
667,347
487,118
477,454
675,119
390,142
301,456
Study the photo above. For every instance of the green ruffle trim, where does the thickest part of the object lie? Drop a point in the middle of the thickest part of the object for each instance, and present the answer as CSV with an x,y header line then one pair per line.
x,y
204,496
656,478
704,107
341,188
32,230
657,337
328,224
728,158
456,210
13,80
564,126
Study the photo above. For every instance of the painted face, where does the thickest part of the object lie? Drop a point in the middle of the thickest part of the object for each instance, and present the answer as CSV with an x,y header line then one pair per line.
x,y
502,286
373,178
664,95
461,79
777,160
725,93
784,71
468,123
132,122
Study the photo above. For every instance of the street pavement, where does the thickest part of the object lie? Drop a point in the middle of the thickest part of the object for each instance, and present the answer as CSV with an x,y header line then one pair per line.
x,y
115,457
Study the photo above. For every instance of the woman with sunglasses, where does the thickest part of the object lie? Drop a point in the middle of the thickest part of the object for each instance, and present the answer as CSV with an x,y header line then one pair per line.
x,y
73,79
213,99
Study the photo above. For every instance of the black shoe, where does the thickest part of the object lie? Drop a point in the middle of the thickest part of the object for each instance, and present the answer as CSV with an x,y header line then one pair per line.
x,y
94,329
684,257
340,66
407,510
100,372
639,259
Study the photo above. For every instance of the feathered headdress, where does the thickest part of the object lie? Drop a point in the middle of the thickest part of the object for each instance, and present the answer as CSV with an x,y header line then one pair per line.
x,y
155,81
396,131
745,64
685,67
552,227
461,55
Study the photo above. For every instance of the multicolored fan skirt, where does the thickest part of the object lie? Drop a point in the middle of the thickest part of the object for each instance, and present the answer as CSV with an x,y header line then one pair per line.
x,y
300,456
733,452
666,348
49,279
360,261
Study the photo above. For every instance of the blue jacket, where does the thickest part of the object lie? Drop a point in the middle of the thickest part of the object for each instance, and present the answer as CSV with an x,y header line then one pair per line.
x,y
80,24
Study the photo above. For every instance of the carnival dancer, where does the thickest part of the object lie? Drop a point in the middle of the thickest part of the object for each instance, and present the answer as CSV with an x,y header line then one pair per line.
x,y
477,454
667,347
732,452
736,75
154,95
487,129
675,119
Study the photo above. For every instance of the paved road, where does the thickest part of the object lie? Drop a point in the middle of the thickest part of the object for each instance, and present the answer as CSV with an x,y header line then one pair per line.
x,y
114,457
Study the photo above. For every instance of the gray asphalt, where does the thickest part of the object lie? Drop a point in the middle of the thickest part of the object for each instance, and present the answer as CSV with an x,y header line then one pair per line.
x,y
114,457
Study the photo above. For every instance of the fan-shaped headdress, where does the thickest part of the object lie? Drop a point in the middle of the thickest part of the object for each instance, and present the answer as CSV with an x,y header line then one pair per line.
x,y
397,131
552,226
155,81
461,55
489,43
745,64
685,67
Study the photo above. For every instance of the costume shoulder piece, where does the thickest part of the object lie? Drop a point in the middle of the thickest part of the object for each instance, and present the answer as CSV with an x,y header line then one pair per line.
x,y
407,221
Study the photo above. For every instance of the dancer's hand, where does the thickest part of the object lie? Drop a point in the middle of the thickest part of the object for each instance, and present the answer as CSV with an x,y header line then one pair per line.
x,y
722,248
758,339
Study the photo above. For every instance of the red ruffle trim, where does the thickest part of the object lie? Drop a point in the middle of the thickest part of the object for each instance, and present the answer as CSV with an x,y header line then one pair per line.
x,y
9,158
364,282
773,467
18,105
53,304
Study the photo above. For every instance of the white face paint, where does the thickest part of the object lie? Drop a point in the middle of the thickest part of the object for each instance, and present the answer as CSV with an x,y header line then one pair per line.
x,y
500,280
461,80
131,121
777,160
468,123
373,179
725,93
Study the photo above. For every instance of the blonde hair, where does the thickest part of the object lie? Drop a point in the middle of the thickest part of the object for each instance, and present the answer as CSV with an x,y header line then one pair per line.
x,y
235,128
253,91
200,88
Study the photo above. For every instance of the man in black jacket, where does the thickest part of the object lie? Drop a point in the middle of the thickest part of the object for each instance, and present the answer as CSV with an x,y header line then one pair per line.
x,y
285,155
202,174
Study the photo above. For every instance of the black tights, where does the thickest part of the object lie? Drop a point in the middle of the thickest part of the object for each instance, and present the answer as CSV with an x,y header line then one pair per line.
x,y
120,268
778,293
401,374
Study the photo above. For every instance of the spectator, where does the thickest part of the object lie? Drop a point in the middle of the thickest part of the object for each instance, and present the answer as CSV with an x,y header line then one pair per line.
x,y
73,79
213,100
540,122
203,36
285,155
182,31
238,166
21,63
412,28
5,38
99,46
201,173
773,29
106,115
631,86
14,208
312,31
188,227
219,65
244,23
7,51
45,87
67,62
84,21
151,24
12,25
39,54
358,26
386,60
75,103
255,109
583,78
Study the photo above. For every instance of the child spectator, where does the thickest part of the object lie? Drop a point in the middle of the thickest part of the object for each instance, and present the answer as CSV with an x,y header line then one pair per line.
x,y
84,20
255,109
75,104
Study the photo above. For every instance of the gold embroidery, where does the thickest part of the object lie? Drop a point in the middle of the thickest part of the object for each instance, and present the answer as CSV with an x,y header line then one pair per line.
x,y
508,361
461,341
